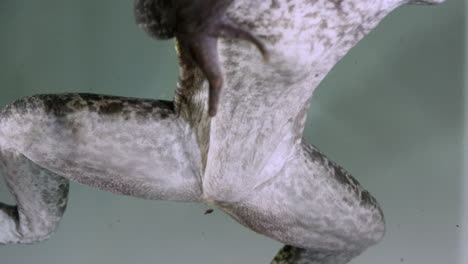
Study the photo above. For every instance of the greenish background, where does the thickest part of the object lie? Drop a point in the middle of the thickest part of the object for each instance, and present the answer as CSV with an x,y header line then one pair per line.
x,y
391,112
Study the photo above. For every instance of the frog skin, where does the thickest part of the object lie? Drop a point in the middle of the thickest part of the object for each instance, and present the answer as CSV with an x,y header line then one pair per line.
x,y
197,24
250,160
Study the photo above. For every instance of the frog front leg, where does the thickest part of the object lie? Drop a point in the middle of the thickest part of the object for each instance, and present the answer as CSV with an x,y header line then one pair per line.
x,y
197,24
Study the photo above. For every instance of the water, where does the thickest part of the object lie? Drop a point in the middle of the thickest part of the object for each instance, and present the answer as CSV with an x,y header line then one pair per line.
x,y
390,112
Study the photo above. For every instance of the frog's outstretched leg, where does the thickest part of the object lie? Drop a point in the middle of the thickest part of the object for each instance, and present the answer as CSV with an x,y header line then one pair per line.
x,y
123,145
41,197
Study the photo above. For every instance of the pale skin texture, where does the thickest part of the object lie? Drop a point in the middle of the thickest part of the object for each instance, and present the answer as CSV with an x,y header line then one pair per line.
x,y
196,24
250,160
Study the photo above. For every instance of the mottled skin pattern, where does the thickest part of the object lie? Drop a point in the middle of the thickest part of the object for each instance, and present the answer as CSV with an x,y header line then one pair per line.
x,y
250,160
197,24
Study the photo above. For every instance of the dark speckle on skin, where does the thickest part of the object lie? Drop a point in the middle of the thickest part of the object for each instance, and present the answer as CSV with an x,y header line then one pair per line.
x,y
337,4
288,254
61,105
111,108
367,198
274,4
315,154
342,177
52,104
164,115
11,211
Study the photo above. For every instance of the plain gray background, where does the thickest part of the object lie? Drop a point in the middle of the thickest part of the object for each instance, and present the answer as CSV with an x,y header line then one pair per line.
x,y
391,112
